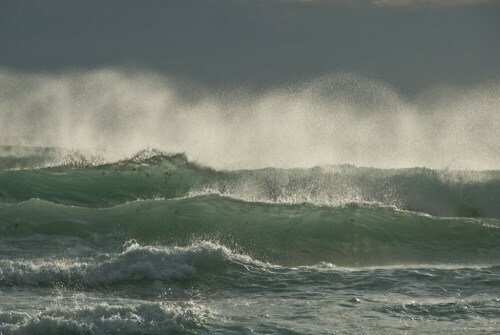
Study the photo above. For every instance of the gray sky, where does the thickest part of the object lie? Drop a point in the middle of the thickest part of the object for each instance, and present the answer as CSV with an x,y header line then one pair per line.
x,y
410,44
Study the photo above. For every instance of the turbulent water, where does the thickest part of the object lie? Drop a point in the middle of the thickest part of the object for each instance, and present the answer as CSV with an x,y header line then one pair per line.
x,y
157,244
246,217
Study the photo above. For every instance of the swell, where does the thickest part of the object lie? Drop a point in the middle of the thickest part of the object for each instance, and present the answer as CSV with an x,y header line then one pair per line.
x,y
80,181
353,235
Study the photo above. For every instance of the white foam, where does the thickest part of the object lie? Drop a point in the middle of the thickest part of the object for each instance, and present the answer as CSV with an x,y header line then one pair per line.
x,y
135,263
105,318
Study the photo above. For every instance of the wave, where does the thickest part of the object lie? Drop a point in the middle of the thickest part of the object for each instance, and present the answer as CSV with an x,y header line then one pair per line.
x,y
135,270
105,318
152,174
353,235
135,264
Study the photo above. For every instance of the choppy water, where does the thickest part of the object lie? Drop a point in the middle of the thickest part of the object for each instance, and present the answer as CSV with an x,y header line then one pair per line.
x,y
156,244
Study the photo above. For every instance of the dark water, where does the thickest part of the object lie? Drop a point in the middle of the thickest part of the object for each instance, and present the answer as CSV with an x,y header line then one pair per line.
x,y
157,244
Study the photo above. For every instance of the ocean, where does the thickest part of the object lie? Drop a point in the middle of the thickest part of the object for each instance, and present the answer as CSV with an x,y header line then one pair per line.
x,y
135,203
158,244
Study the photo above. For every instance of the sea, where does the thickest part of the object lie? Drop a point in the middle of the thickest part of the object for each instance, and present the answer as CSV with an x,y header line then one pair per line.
x,y
133,203
157,244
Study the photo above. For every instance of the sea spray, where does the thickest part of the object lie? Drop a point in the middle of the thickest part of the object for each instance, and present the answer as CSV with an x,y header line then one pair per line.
x,y
334,119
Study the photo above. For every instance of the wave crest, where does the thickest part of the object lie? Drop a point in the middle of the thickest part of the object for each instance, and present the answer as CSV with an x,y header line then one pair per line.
x,y
104,318
136,263
152,174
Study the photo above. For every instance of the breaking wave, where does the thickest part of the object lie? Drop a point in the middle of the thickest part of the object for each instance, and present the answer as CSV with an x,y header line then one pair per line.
x,y
155,175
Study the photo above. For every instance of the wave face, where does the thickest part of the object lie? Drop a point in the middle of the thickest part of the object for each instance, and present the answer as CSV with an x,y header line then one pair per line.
x,y
81,181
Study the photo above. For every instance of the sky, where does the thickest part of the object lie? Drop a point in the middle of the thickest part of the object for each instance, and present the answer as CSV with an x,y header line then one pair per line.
x,y
411,45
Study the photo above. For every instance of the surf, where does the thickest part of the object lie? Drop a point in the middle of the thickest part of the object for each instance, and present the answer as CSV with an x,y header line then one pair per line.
x,y
152,174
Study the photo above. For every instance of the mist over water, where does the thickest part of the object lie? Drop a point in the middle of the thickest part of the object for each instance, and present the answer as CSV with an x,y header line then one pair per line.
x,y
337,119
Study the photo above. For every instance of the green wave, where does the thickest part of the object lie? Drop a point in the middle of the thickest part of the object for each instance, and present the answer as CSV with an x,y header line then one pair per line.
x,y
152,175
353,235
99,186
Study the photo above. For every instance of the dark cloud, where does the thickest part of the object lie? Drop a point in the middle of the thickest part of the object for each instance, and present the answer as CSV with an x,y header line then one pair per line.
x,y
257,43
